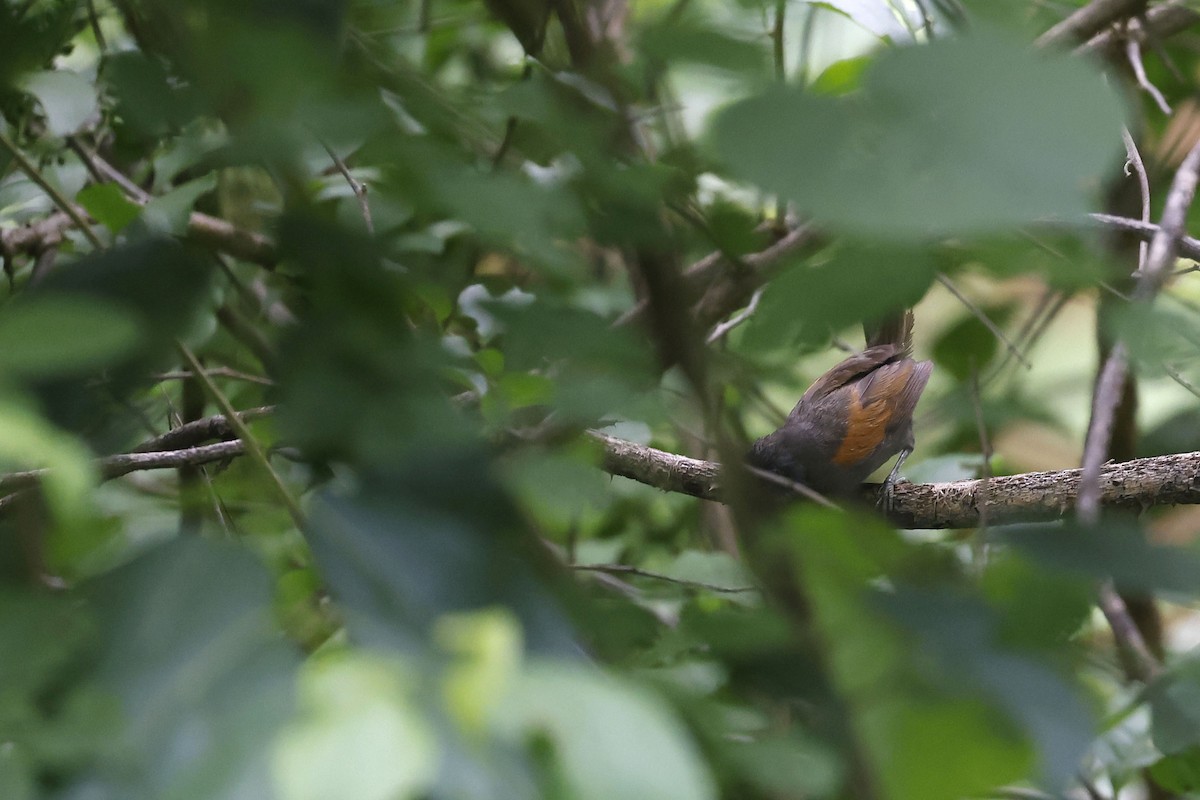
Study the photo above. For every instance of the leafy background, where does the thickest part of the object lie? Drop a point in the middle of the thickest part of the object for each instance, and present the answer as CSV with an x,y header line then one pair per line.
x,y
413,230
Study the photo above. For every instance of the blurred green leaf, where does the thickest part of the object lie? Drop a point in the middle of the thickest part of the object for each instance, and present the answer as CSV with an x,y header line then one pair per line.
x,y
1117,549
612,740
63,334
108,206
808,302
169,213
922,152
968,346
203,679
359,734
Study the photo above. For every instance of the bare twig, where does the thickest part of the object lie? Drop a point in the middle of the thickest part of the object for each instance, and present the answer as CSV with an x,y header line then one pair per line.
x,y
1161,20
1139,168
1161,256
792,486
124,463
1133,51
220,372
253,448
724,328
356,186
985,452
30,169
1126,633
1032,496
202,228
623,569
983,318
1088,20
1188,246
200,430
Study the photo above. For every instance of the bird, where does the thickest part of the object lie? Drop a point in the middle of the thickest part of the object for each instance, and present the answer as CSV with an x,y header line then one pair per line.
x,y
853,418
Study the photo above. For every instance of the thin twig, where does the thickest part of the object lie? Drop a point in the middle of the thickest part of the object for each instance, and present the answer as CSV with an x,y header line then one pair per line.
x,y
985,451
356,186
60,200
200,430
252,446
1188,246
220,372
1139,168
792,486
1125,631
1161,20
1133,51
1161,256
624,569
725,327
983,318
1087,21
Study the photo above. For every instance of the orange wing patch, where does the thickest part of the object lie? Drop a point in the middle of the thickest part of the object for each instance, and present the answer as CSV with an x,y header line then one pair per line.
x,y
866,425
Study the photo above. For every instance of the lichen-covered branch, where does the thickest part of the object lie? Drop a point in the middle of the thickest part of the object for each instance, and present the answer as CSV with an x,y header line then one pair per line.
x,y
1031,496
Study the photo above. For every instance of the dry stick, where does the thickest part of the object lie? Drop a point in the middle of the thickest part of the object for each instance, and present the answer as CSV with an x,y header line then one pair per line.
x,y
987,323
1133,51
207,230
60,200
252,446
1187,246
1028,497
1161,21
1088,21
623,569
1155,271
1159,260
120,464
220,372
724,328
356,186
200,430
1139,168
985,450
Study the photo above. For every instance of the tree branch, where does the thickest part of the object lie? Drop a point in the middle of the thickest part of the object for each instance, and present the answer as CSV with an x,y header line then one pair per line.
x,y
1089,20
1033,496
1161,21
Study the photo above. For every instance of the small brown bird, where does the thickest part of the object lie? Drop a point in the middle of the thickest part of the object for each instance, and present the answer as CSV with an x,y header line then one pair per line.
x,y
853,418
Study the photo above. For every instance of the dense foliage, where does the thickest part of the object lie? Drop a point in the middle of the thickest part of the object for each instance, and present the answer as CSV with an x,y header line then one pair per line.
x,y
426,247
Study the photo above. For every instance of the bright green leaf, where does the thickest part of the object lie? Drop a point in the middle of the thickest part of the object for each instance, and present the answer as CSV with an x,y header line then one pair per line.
x,y
612,740
108,205
359,734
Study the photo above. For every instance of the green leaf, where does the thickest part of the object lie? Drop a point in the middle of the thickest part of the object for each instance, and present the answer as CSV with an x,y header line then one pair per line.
x,y
611,740
189,647
169,213
1179,773
67,99
63,334
359,734
1117,549
958,136
108,205
808,302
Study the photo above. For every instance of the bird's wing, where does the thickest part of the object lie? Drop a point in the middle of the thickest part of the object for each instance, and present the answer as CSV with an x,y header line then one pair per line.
x,y
848,371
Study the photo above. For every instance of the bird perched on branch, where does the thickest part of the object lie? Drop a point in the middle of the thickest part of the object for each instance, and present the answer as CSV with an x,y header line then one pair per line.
x,y
853,418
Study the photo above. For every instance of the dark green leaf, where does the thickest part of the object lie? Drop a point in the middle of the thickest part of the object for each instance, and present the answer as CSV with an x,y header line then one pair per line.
x,y
923,151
